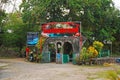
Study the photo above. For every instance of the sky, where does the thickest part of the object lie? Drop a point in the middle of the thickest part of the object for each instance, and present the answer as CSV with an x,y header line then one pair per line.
x,y
117,3
9,8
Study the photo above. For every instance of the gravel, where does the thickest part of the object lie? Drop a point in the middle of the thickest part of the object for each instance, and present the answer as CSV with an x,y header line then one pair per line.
x,y
19,69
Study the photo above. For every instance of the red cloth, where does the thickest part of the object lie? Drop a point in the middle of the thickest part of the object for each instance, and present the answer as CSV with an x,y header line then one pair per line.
x,y
27,50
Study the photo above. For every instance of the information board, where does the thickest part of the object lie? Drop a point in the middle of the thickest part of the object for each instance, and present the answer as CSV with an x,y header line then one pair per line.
x,y
32,38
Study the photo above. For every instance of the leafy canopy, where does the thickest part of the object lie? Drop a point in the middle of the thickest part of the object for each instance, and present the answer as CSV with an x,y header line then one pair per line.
x,y
98,17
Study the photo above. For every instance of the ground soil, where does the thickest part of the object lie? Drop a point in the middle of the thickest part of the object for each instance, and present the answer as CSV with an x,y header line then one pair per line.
x,y
19,69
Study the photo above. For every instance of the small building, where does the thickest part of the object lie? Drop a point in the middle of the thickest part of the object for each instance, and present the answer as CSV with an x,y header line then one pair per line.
x,y
63,41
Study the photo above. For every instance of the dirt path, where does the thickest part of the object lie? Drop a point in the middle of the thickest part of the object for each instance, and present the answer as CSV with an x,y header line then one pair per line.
x,y
18,69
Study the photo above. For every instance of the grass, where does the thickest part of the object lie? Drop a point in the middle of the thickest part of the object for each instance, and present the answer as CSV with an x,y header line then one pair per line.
x,y
91,75
112,74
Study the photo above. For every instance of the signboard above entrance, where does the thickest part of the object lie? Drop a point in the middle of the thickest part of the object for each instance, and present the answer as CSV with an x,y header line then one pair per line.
x,y
61,27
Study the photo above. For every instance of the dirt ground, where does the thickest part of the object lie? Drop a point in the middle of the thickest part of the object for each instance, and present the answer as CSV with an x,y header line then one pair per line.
x,y
19,69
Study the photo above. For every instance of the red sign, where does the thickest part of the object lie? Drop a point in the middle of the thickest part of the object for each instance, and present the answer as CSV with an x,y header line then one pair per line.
x,y
61,27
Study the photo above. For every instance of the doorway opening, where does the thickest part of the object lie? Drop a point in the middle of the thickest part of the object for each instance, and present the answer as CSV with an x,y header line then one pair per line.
x,y
59,46
52,50
68,49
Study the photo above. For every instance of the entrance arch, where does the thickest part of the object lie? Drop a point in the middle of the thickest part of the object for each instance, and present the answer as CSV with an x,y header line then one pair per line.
x,y
52,50
68,50
59,46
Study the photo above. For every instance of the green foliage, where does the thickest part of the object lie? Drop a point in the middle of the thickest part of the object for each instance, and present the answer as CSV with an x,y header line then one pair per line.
x,y
98,45
39,56
112,75
84,55
40,43
2,16
39,10
15,32
98,17
91,52
11,28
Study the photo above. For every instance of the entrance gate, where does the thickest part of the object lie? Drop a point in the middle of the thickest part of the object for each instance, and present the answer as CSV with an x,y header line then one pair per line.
x,y
66,48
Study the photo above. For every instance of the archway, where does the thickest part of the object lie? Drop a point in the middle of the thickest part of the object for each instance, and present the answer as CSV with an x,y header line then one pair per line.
x,y
52,50
59,46
68,49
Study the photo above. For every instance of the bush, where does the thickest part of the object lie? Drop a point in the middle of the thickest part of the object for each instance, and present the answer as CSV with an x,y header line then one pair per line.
x,y
98,45
91,52
8,52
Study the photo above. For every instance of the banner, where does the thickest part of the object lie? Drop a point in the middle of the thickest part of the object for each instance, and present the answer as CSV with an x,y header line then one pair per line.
x,y
32,38
61,27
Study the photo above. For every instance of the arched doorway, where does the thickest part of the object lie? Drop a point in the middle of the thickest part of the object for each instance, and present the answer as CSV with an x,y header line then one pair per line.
x,y
59,47
68,50
52,50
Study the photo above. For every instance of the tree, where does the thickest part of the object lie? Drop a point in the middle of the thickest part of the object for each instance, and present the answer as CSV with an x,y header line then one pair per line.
x,y
15,31
99,17
2,18
116,24
96,15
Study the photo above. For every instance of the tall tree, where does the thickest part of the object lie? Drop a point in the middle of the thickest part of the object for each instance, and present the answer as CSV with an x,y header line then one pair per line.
x,y
2,18
15,31
2,13
97,16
